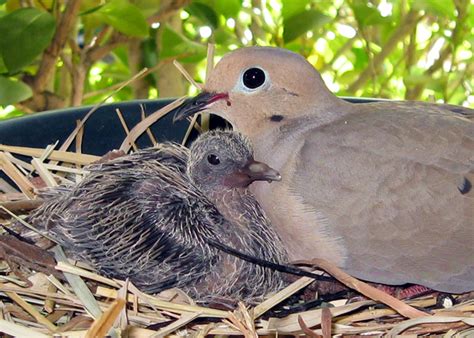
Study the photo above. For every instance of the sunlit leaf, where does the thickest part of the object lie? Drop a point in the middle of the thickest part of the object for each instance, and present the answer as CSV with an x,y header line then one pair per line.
x,y
302,22
147,7
12,91
24,33
439,7
124,17
204,12
292,7
348,77
4,115
361,58
228,8
175,45
222,36
367,15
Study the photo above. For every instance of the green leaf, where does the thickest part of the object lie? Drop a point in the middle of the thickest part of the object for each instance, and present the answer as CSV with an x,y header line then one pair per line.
x,y
203,12
174,45
25,34
3,68
302,22
292,7
367,15
439,7
147,7
361,58
223,37
228,8
124,17
2,2
12,91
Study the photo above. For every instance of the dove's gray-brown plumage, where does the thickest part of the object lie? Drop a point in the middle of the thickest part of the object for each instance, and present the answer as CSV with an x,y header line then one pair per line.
x,y
385,189
146,217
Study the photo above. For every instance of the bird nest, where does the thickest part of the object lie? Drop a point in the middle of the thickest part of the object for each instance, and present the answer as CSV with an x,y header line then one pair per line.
x,y
65,298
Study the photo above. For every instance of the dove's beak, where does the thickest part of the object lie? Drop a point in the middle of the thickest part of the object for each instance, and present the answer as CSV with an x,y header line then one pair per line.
x,y
197,104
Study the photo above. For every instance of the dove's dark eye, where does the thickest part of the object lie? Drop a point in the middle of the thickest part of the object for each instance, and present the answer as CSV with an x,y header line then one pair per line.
x,y
253,78
213,159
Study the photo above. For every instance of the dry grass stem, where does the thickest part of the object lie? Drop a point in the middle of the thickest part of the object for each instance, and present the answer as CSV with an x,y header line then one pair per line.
x,y
125,127
20,180
32,311
185,73
290,290
192,124
79,287
67,143
103,324
148,130
146,123
44,173
56,155
369,291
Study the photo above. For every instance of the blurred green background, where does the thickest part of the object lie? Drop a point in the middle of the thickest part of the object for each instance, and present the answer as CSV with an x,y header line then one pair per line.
x,y
56,54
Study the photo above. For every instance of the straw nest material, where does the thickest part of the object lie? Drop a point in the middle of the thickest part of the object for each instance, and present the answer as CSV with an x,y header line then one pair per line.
x,y
40,297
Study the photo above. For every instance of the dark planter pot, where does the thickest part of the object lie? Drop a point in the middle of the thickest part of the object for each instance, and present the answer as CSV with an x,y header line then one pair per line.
x,y
103,131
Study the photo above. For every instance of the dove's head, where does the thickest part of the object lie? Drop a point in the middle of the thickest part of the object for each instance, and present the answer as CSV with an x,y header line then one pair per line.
x,y
260,87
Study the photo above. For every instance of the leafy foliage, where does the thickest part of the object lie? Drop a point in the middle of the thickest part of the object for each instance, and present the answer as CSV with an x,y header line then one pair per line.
x,y
25,33
395,49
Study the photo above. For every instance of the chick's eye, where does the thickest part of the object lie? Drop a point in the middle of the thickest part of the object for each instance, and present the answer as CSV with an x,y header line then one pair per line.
x,y
253,78
213,159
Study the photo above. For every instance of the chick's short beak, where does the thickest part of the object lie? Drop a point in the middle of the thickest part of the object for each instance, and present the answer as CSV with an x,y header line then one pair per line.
x,y
197,104
258,171
252,171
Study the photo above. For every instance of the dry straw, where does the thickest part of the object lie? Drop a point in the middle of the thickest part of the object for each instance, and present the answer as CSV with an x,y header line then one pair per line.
x,y
85,304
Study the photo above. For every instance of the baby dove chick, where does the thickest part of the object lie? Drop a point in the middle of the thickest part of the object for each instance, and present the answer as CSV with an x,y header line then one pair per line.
x,y
147,217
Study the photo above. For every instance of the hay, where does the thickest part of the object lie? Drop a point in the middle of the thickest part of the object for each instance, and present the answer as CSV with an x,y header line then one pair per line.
x,y
84,304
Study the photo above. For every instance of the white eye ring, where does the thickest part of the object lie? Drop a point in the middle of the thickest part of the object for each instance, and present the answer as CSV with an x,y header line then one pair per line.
x,y
255,74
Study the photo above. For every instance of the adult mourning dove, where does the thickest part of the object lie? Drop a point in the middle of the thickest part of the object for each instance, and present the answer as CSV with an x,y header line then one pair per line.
x,y
147,217
384,189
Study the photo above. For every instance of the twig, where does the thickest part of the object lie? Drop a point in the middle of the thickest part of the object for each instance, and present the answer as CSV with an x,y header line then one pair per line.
x,y
32,311
294,287
102,325
80,288
125,127
146,123
17,330
49,303
187,75
56,155
148,130
44,173
71,137
48,62
192,124
205,117
21,181
405,27
367,290
457,35
306,329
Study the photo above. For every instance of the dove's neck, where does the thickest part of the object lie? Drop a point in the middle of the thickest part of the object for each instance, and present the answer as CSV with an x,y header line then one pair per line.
x,y
274,142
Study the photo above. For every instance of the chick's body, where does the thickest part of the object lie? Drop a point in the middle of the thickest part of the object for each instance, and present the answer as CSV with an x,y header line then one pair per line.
x,y
146,216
